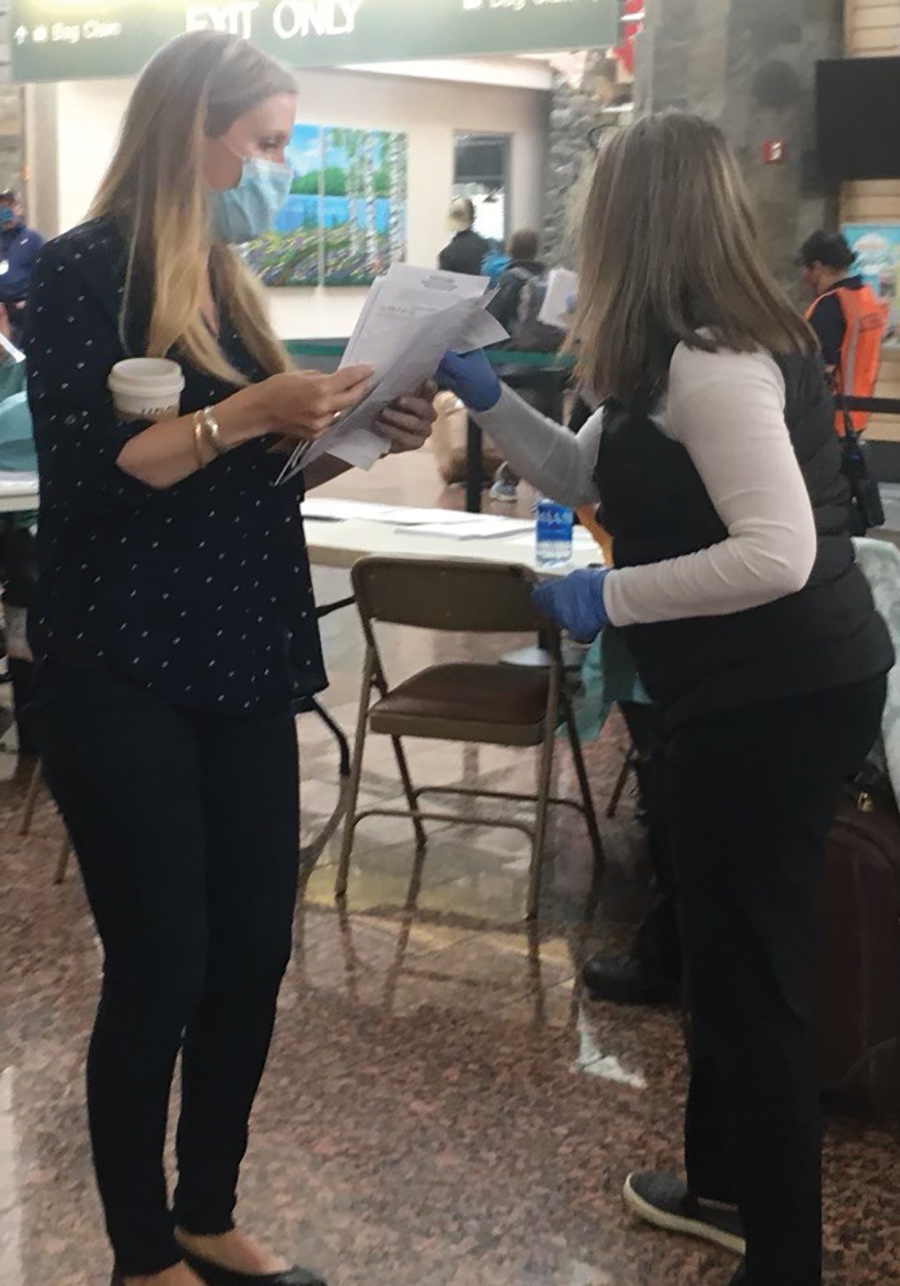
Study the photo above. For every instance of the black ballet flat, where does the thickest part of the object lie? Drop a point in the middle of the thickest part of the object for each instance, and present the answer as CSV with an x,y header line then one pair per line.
x,y
216,1275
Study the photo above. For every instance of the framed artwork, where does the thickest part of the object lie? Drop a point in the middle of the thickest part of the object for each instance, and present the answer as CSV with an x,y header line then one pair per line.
x,y
877,249
345,221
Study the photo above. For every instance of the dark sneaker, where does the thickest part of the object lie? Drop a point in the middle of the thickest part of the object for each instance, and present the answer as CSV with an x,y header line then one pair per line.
x,y
628,980
664,1201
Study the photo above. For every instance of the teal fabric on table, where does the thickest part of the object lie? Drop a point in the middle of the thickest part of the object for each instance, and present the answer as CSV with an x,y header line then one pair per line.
x,y
607,677
17,453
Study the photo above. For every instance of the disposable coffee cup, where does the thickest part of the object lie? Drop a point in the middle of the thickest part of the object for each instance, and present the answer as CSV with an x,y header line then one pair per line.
x,y
147,388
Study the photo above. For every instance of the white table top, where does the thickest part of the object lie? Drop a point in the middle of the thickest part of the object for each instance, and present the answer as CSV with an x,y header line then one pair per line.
x,y
339,533
340,541
18,492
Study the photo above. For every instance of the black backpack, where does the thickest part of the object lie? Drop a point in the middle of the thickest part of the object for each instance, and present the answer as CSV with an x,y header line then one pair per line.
x,y
528,333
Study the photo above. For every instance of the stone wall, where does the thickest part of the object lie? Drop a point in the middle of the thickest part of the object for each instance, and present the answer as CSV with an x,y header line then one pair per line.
x,y
750,66
573,112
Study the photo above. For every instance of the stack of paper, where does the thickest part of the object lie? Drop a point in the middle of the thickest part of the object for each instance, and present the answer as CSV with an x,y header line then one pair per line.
x,y
411,318
18,484
562,290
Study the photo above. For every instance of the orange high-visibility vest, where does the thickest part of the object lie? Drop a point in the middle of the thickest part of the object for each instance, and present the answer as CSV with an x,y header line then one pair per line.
x,y
866,319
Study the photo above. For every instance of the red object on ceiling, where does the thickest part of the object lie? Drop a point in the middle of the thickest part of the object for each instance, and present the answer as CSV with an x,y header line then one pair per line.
x,y
632,23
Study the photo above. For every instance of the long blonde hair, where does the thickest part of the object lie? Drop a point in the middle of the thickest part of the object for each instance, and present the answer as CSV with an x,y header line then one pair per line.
x,y
195,88
669,254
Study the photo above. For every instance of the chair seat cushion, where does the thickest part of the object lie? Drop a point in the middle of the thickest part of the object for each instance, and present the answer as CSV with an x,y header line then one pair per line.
x,y
495,704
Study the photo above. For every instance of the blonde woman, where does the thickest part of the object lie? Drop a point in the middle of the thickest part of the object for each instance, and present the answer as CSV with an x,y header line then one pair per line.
x,y
717,473
174,629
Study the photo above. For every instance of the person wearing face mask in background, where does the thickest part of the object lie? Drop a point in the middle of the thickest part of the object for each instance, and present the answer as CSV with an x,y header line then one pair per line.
x,y
174,629
19,248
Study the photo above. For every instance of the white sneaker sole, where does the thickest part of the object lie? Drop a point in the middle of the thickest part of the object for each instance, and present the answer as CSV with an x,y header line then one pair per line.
x,y
680,1223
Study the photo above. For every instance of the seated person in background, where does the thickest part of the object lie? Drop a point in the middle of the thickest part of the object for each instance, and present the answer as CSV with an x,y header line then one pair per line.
x,y
466,252
520,296
848,318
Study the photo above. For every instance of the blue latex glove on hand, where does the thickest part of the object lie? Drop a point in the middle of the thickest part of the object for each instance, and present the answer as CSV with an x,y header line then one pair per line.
x,y
575,603
472,378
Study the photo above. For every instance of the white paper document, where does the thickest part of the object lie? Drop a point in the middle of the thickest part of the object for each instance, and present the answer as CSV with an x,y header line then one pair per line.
x,y
480,527
411,318
326,509
562,288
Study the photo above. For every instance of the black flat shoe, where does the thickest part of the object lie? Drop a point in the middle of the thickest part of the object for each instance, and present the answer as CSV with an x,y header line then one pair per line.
x,y
627,980
664,1201
216,1275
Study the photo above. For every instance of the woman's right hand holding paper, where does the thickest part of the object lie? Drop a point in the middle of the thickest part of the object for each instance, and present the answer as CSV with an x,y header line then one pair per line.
x,y
304,404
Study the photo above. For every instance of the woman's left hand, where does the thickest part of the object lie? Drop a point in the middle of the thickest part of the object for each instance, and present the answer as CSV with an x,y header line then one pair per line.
x,y
575,603
408,422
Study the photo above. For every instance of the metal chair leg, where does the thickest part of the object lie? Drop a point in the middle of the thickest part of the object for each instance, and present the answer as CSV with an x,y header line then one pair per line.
x,y
613,806
403,766
62,865
543,799
34,787
587,798
362,724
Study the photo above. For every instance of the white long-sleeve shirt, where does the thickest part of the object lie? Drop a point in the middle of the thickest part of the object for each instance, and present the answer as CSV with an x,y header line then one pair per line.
x,y
728,411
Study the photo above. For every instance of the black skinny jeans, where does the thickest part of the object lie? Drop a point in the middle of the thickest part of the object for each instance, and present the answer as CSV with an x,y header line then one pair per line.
x,y
752,794
186,828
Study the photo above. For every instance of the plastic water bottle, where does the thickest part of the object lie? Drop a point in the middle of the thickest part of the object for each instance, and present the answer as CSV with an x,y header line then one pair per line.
x,y
553,531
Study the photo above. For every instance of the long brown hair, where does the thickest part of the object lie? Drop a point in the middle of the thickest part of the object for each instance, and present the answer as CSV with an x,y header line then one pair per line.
x,y
195,88
669,255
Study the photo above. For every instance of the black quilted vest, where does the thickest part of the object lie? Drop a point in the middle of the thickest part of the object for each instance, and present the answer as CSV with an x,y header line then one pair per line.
x,y
655,506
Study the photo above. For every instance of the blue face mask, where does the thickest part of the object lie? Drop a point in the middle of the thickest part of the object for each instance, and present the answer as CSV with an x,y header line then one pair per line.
x,y
7,218
243,213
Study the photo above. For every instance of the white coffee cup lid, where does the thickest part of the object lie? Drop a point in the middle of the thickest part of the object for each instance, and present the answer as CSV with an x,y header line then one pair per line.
x,y
146,374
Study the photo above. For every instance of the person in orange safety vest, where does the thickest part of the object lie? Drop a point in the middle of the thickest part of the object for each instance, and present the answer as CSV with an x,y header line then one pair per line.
x,y
849,319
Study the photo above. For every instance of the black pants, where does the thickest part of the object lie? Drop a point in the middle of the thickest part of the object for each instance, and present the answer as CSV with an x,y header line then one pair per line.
x,y
657,943
752,794
187,833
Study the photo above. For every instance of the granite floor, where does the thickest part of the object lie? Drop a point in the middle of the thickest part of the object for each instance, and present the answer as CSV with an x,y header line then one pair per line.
x,y
442,1106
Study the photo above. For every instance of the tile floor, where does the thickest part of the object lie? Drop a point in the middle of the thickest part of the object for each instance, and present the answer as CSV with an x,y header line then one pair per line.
x,y
442,1106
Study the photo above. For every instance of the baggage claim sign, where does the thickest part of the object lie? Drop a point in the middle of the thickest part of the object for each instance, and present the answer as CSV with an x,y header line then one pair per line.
x,y
76,39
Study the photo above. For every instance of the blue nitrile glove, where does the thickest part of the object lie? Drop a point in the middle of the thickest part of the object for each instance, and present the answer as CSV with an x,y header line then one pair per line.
x,y
472,378
575,603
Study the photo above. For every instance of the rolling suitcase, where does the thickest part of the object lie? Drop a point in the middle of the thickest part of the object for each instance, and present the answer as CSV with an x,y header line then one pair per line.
x,y
857,980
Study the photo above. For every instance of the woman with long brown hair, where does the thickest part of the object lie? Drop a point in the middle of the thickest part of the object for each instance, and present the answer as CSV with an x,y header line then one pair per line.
x,y
174,630
714,463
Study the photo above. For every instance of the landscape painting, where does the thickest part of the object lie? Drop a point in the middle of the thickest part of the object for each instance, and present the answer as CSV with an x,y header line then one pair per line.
x,y
344,222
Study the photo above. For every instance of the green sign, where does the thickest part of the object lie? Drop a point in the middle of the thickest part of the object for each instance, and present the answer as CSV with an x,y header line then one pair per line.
x,y
76,39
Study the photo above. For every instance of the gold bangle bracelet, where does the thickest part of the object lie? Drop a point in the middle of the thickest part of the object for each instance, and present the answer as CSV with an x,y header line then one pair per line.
x,y
212,432
199,441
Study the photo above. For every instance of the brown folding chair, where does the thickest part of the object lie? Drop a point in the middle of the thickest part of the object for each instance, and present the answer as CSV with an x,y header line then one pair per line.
x,y
488,704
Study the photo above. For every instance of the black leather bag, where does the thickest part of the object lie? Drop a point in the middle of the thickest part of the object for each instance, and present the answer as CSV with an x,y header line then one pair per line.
x,y
867,508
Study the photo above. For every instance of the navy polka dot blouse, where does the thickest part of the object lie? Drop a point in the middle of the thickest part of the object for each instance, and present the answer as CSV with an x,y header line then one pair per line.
x,y
201,592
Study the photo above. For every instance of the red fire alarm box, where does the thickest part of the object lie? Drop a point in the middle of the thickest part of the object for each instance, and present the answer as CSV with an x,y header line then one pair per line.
x,y
774,151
